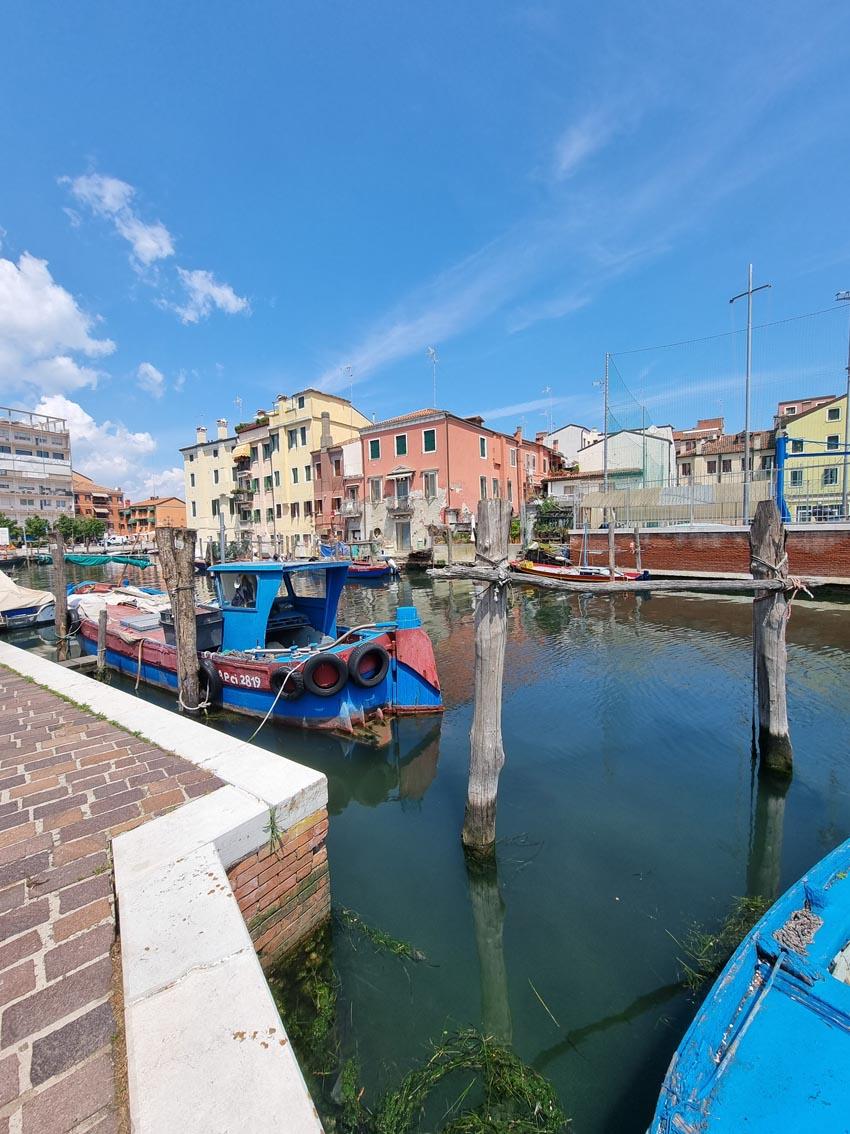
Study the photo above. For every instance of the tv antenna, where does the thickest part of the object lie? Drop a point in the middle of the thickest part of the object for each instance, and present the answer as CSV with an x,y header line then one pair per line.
x,y
434,359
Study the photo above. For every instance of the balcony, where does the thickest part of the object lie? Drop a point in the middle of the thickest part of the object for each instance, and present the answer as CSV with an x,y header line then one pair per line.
x,y
242,493
399,505
351,508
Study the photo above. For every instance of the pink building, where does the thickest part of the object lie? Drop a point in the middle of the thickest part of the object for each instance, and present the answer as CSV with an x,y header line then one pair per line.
x,y
430,467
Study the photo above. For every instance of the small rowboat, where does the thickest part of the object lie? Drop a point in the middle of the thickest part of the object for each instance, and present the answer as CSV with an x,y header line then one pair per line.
x,y
23,606
768,1049
358,570
581,574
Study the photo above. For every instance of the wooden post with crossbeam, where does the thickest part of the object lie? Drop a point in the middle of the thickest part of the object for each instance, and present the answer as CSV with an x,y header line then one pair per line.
x,y
177,560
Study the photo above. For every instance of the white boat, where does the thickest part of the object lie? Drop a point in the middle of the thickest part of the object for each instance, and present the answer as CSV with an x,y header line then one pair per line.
x,y
22,606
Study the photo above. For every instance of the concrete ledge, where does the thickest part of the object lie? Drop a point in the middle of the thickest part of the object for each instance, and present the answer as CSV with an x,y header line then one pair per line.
x,y
206,1049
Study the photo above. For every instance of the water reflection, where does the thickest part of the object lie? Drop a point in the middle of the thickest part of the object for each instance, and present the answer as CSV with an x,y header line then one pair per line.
x,y
488,915
764,864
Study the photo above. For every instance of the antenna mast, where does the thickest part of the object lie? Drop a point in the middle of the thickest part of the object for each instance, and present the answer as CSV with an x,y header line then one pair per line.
x,y
432,355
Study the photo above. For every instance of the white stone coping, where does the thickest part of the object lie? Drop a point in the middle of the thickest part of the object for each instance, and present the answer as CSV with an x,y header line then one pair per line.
x,y
206,1049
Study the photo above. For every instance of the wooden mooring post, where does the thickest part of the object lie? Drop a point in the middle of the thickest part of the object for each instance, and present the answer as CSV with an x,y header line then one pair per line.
x,y
638,566
101,641
486,754
60,596
177,561
770,615
612,543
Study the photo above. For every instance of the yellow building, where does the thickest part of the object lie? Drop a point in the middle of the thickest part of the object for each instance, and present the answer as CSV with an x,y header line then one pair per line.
x,y
209,477
817,483
266,472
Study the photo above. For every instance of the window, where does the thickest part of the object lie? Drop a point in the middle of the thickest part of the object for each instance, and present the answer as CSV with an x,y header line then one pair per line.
x,y
830,476
294,511
277,478
375,489
429,480
482,485
191,456
253,452
318,507
686,468
255,484
318,471
796,446
308,508
5,448
711,466
833,413
513,458
429,440
192,480
308,473
215,507
238,588
294,475
215,452
401,445
336,503
291,438
42,453
58,456
375,449
301,401
402,489
267,483
256,515
269,515
215,476
495,488
510,492
482,449
796,477
194,509
767,462
233,476
832,441
726,465
790,411
267,451
303,434
24,452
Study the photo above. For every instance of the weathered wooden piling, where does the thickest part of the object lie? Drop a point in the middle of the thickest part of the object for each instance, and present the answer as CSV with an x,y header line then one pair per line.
x,y
60,595
101,641
770,615
612,544
486,755
638,566
177,560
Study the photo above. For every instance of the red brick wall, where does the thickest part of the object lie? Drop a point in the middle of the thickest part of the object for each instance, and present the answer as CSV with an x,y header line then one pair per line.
x,y
812,552
284,892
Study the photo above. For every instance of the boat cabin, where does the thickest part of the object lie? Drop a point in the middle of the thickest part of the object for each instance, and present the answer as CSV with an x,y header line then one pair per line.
x,y
269,605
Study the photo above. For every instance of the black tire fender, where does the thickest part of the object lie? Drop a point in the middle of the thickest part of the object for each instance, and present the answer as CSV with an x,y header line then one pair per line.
x,y
321,660
210,682
380,666
287,681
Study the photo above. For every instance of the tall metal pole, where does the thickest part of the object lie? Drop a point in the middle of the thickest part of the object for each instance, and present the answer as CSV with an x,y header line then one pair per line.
x,y
747,472
605,426
844,296
221,502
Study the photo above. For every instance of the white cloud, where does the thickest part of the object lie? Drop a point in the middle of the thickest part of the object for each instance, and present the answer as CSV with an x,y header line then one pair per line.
x,y
113,199
42,328
204,293
150,379
108,451
582,140
166,482
520,408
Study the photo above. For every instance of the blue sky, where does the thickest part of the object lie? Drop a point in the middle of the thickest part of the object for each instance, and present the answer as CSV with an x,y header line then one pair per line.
x,y
209,202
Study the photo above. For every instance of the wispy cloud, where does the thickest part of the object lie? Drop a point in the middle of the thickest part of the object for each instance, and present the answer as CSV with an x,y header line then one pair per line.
x,y
204,294
113,199
519,408
151,380
581,140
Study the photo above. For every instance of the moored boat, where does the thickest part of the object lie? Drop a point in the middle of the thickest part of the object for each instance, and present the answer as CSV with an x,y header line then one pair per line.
x,y
23,606
272,646
578,574
769,1047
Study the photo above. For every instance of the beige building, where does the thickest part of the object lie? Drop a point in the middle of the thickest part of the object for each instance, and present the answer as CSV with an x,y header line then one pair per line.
x,y
266,470
35,466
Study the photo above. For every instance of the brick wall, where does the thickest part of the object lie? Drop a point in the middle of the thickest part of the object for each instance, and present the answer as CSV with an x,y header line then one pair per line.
x,y
284,891
815,551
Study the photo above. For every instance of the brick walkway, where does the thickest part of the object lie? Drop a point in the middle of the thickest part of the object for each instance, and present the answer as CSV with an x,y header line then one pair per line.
x,y
69,782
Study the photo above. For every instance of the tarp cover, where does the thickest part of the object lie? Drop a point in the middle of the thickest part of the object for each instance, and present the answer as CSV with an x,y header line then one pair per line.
x,y
13,597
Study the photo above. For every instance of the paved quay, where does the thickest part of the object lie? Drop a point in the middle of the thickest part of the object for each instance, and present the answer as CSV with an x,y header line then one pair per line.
x,y
69,783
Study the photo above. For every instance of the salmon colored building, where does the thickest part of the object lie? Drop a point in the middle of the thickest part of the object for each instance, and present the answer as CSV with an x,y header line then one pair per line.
x,y
155,512
98,502
431,467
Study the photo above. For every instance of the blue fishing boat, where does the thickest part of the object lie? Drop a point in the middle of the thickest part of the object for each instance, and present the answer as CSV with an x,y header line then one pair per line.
x,y
768,1050
23,606
271,646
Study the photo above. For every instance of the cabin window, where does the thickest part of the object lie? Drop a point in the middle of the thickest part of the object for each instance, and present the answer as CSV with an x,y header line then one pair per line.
x,y
239,589
830,476
401,445
796,446
429,440
832,441
833,414
375,449
482,450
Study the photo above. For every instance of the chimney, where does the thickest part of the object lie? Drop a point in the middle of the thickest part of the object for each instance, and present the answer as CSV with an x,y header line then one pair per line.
x,y
518,435
325,441
540,437
200,435
222,428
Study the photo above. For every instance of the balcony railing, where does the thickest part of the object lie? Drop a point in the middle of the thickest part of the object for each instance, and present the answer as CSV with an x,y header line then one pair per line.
x,y
242,493
351,508
399,505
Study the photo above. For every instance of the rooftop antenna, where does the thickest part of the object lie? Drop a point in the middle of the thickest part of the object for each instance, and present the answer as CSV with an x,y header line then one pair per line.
x,y
432,355
348,371
749,293
237,401
547,390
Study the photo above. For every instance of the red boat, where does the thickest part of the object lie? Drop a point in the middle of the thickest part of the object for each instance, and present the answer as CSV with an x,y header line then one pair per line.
x,y
581,574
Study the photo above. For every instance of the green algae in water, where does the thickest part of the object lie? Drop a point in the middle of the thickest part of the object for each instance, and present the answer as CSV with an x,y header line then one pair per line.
x,y
511,1097
707,952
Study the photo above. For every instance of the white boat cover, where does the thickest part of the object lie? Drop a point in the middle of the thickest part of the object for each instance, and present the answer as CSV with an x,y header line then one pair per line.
x,y
13,597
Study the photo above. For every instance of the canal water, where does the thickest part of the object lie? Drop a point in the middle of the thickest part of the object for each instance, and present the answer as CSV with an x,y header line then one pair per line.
x,y
627,813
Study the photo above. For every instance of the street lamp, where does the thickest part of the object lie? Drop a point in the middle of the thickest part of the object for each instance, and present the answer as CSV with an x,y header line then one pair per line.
x,y
844,297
